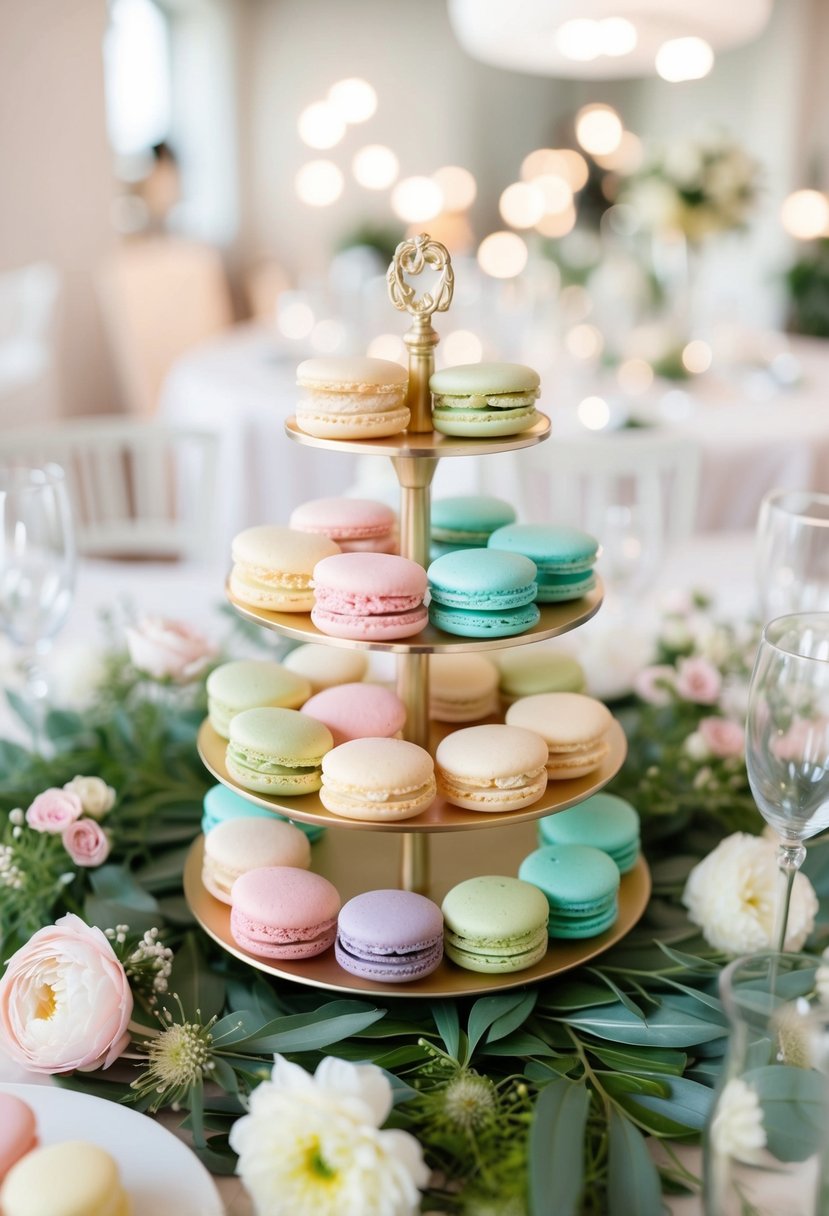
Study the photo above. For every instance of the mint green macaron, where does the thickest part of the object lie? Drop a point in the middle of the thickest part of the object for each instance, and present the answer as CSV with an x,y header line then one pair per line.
x,y
604,821
467,522
532,669
495,924
251,684
563,556
484,400
277,751
581,885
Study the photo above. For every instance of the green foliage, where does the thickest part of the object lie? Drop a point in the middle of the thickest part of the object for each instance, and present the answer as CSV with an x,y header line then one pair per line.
x,y
808,284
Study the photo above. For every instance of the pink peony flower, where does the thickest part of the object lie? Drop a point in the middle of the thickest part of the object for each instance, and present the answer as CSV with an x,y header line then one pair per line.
x,y
54,810
650,684
168,650
86,842
723,738
698,680
65,1001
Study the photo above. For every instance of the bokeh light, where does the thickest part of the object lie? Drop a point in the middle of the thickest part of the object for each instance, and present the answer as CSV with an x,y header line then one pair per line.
x,y
555,192
328,336
634,376
594,413
561,162
387,346
584,341
627,158
294,319
375,167
584,39
458,187
415,199
522,204
599,129
696,357
320,126
684,59
354,99
805,215
557,223
618,36
319,183
461,346
502,255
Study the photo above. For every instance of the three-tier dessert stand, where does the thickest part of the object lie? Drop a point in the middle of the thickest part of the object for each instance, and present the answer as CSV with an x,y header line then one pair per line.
x,y
360,856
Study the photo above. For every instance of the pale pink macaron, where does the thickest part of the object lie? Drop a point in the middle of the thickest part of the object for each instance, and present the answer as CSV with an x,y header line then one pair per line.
x,y
373,597
357,525
282,912
358,711
18,1131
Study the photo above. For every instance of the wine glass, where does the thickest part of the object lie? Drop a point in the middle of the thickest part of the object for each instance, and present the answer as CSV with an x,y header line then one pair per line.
x,y
37,570
787,740
792,553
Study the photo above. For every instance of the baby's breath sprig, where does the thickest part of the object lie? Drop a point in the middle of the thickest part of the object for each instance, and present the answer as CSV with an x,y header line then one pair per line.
x,y
34,876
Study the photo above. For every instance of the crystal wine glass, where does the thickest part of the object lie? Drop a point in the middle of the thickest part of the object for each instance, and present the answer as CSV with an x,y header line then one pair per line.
x,y
792,553
37,569
787,740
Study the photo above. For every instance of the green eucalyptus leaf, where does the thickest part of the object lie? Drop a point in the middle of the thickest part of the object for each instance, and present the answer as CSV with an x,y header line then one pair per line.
x,y
574,994
557,1148
108,913
491,1010
446,1018
795,1113
545,1070
633,1059
633,1187
312,1031
117,884
619,1083
621,996
200,990
684,1111
519,1043
23,711
234,1027
668,1026
222,1074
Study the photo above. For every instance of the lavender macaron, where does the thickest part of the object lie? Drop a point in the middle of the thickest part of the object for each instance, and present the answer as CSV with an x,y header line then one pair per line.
x,y
390,936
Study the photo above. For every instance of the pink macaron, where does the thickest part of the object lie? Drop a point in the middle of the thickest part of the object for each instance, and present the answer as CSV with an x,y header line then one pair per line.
x,y
358,525
358,711
283,912
18,1131
373,597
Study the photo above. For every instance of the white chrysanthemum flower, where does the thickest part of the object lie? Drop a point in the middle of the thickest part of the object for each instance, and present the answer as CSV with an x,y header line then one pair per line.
x,y
732,896
313,1144
737,1127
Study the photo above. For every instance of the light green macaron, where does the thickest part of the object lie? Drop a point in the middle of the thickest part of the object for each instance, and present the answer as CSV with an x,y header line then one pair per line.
x,y
484,400
495,924
251,684
531,670
277,751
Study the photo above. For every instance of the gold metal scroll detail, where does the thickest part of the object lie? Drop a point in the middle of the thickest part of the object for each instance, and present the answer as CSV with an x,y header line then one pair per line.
x,y
412,257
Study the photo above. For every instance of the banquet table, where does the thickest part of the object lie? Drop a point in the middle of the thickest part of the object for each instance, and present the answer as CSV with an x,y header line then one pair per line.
x,y
720,563
241,385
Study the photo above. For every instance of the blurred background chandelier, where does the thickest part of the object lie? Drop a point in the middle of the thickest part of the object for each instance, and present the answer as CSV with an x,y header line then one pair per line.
x,y
606,39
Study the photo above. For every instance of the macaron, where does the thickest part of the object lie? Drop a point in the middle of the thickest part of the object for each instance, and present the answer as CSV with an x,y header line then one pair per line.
x,y
232,849
277,751
580,884
357,525
272,567
534,669
18,1128
358,711
352,398
564,557
495,924
374,597
467,522
72,1178
483,400
250,684
492,768
326,666
574,726
604,821
482,593
378,780
223,805
462,687
391,936
282,912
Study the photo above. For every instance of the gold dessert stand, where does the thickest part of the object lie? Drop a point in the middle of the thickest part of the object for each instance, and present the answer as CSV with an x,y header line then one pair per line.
x,y
363,858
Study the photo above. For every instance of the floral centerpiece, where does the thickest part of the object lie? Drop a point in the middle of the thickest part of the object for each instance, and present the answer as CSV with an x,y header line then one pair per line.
x,y
361,1108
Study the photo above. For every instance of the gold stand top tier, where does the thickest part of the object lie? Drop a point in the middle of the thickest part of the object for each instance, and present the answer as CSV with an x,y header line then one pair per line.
x,y
411,258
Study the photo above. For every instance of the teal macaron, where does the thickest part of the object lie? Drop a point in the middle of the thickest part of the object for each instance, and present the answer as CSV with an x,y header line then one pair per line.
x,y
564,557
581,885
604,821
481,593
222,805
467,522
495,924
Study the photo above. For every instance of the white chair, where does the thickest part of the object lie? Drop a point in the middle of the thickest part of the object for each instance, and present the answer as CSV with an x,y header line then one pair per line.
x,y
28,299
138,489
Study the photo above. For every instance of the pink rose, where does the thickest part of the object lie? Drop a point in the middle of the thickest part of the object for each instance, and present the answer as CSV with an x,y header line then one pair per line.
x,y
723,738
168,650
54,810
65,1002
651,681
698,680
86,842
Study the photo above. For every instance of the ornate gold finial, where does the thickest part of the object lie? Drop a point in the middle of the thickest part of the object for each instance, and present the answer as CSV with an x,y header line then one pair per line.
x,y
411,257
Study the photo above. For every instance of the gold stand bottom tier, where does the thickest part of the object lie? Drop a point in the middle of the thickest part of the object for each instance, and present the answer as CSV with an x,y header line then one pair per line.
x,y
357,862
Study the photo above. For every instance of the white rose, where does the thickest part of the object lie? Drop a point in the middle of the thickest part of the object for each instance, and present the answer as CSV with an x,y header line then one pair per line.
x,y
696,747
97,798
675,634
737,1127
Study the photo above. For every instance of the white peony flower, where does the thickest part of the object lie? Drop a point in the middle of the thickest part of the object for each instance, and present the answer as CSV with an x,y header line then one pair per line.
x,y
732,896
696,747
312,1144
97,798
737,1127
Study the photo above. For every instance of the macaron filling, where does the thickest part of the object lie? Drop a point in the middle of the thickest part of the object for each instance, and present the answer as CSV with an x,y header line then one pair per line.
x,y
357,796
484,401
354,603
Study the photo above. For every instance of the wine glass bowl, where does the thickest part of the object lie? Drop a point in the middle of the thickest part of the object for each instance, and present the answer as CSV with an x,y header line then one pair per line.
x,y
792,553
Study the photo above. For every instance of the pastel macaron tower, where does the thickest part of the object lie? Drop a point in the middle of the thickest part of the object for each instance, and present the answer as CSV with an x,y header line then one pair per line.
x,y
251,684
373,597
351,398
467,522
482,594
484,400
273,566
564,558
357,525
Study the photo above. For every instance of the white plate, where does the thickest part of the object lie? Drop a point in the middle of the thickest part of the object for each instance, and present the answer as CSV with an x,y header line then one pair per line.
x,y
161,1174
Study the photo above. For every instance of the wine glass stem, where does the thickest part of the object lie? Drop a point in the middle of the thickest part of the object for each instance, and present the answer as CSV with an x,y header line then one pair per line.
x,y
790,858
37,698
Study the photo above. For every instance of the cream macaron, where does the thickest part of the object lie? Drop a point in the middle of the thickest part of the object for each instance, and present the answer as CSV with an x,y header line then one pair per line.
x,y
233,848
327,666
492,768
352,398
462,687
575,728
72,1178
272,567
378,780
